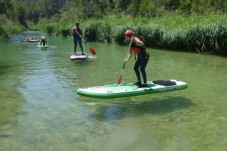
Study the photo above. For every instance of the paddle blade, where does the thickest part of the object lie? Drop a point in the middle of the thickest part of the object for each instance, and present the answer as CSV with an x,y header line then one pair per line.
x,y
92,51
119,80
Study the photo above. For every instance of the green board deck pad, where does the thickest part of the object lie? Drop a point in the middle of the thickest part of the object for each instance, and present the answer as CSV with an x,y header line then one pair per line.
x,y
42,46
129,89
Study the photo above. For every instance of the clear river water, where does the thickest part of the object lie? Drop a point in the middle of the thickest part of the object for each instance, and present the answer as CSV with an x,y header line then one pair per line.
x,y
40,110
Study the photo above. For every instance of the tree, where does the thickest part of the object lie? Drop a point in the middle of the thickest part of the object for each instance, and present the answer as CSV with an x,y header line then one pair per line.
x,y
21,16
147,8
123,5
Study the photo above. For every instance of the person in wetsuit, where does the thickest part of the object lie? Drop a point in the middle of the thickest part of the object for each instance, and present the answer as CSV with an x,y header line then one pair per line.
x,y
138,47
43,41
77,37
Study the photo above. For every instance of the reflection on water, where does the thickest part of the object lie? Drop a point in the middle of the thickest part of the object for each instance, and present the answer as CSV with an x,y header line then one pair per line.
x,y
117,111
39,109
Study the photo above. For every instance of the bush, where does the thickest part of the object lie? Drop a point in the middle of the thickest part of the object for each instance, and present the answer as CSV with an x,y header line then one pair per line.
x,y
3,35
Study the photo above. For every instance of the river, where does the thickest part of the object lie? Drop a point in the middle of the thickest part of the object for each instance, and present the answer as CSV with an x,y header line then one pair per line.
x,y
40,110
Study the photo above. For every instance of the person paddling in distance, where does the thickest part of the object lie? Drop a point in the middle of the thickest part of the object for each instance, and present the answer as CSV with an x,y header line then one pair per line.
x,y
31,38
43,41
77,37
138,47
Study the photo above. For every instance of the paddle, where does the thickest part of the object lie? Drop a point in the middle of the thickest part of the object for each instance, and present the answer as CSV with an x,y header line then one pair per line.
x,y
91,49
120,78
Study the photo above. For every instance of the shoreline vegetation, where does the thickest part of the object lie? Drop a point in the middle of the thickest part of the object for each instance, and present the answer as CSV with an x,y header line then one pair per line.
x,y
202,34
186,27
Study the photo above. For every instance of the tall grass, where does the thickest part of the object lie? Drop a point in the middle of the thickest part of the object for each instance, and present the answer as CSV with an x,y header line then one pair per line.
x,y
53,27
7,28
202,34
3,34
6,31
100,31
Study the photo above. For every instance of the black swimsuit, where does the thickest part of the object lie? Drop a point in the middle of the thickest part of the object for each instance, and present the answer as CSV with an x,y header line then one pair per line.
x,y
141,62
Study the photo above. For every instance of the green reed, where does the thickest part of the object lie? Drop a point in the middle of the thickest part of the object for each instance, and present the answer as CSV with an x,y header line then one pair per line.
x,y
202,34
6,31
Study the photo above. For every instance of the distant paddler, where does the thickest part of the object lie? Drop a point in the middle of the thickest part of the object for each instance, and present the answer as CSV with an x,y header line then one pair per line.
x,y
43,41
31,39
77,37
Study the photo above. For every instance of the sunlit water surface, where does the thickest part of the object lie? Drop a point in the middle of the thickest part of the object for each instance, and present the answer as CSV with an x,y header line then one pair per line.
x,y
40,110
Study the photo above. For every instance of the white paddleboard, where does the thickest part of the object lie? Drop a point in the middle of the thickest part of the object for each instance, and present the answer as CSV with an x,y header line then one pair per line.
x,y
78,57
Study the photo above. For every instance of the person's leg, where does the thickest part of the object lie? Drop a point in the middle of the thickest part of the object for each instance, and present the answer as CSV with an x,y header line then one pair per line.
x,y
136,69
81,47
142,70
75,45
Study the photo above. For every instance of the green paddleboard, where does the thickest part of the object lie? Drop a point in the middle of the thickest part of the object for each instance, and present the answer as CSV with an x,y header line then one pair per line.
x,y
42,46
129,89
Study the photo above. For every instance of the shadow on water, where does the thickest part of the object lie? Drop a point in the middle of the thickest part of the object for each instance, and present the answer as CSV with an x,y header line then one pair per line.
x,y
154,106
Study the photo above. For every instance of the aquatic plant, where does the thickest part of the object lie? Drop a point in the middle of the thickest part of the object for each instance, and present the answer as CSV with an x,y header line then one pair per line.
x,y
202,34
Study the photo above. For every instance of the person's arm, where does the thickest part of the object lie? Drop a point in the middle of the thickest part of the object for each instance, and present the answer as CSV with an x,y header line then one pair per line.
x,y
137,41
128,56
78,33
72,29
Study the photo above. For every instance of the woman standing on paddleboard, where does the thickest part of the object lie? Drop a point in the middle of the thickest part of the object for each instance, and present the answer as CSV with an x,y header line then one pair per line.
x,y
137,47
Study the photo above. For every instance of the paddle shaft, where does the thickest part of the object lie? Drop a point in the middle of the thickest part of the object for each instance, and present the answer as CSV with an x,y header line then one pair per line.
x,y
122,70
86,43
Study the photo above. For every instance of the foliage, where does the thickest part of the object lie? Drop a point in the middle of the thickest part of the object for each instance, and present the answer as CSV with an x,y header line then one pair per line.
x,y
100,31
3,34
174,24
84,9
8,28
179,32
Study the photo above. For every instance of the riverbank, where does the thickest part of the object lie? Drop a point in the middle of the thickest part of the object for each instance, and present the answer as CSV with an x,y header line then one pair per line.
x,y
203,34
8,28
